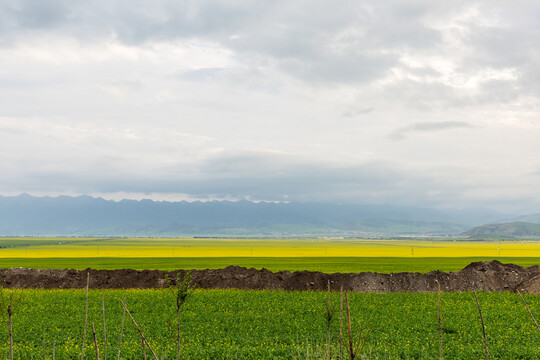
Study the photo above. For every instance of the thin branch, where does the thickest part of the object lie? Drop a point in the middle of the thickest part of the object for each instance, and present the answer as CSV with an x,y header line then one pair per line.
x,y
530,313
483,327
349,328
341,324
85,314
95,341
104,328
122,328
10,328
143,349
329,319
139,329
440,320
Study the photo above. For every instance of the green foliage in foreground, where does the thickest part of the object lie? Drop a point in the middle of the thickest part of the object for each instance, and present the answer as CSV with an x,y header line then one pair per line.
x,y
323,264
232,324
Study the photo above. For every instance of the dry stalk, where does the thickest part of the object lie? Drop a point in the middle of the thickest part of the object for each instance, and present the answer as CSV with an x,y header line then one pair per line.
x,y
10,329
440,320
85,314
527,307
104,328
341,324
349,328
43,351
9,304
182,290
95,341
353,349
143,349
122,328
483,327
329,319
139,330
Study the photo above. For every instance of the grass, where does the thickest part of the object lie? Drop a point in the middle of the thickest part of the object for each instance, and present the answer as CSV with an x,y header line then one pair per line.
x,y
231,324
323,264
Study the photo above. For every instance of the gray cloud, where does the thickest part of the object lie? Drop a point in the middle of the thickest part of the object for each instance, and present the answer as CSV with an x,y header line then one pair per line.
x,y
254,175
260,99
268,176
26,14
401,133
346,45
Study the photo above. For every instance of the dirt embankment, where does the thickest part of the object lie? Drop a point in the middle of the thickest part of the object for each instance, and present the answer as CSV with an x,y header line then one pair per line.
x,y
481,276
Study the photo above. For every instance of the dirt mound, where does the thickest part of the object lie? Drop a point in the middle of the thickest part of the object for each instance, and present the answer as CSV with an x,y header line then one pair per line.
x,y
531,285
482,276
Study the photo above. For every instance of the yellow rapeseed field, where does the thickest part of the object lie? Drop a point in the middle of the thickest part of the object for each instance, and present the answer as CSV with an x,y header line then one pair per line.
x,y
144,247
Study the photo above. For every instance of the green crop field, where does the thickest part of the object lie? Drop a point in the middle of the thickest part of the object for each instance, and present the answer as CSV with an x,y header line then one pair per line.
x,y
231,324
323,264
326,255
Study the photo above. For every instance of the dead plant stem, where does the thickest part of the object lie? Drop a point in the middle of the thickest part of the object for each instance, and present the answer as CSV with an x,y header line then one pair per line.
x,y
104,328
85,314
139,330
95,340
349,328
10,329
440,320
341,324
329,321
143,349
483,327
527,307
122,327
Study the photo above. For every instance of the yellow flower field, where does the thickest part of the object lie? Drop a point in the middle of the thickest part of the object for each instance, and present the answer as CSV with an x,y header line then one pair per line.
x,y
185,248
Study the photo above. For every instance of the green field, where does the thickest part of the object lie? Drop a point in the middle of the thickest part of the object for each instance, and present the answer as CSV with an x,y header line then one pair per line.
x,y
323,264
326,255
231,324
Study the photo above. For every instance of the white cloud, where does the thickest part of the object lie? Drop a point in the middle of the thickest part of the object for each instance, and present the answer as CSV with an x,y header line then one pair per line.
x,y
231,99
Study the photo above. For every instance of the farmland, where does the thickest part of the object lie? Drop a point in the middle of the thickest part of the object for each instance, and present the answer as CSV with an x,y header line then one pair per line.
x,y
265,324
274,325
315,255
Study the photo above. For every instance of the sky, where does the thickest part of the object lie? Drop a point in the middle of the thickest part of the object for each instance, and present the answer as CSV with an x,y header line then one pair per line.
x,y
414,103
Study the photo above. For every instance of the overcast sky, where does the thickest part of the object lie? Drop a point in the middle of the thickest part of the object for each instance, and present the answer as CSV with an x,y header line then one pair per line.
x,y
426,103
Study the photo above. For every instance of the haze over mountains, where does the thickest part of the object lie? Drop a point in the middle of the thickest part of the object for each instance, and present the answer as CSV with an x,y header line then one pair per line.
x,y
87,216
513,229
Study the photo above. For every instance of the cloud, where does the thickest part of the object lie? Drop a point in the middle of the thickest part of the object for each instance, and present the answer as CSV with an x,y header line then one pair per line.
x,y
347,44
272,99
264,176
428,127
355,113
11,131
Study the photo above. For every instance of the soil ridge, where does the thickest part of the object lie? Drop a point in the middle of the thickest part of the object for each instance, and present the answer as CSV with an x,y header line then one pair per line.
x,y
492,276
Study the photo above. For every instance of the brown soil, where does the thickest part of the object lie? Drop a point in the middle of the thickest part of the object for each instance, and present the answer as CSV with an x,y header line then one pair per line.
x,y
481,276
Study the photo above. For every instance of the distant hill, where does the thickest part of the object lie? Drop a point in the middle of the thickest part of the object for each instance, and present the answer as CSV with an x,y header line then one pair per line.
x,y
516,229
87,216
532,218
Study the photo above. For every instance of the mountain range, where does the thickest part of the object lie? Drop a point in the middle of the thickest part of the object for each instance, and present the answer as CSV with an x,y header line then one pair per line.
x,y
515,229
27,215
